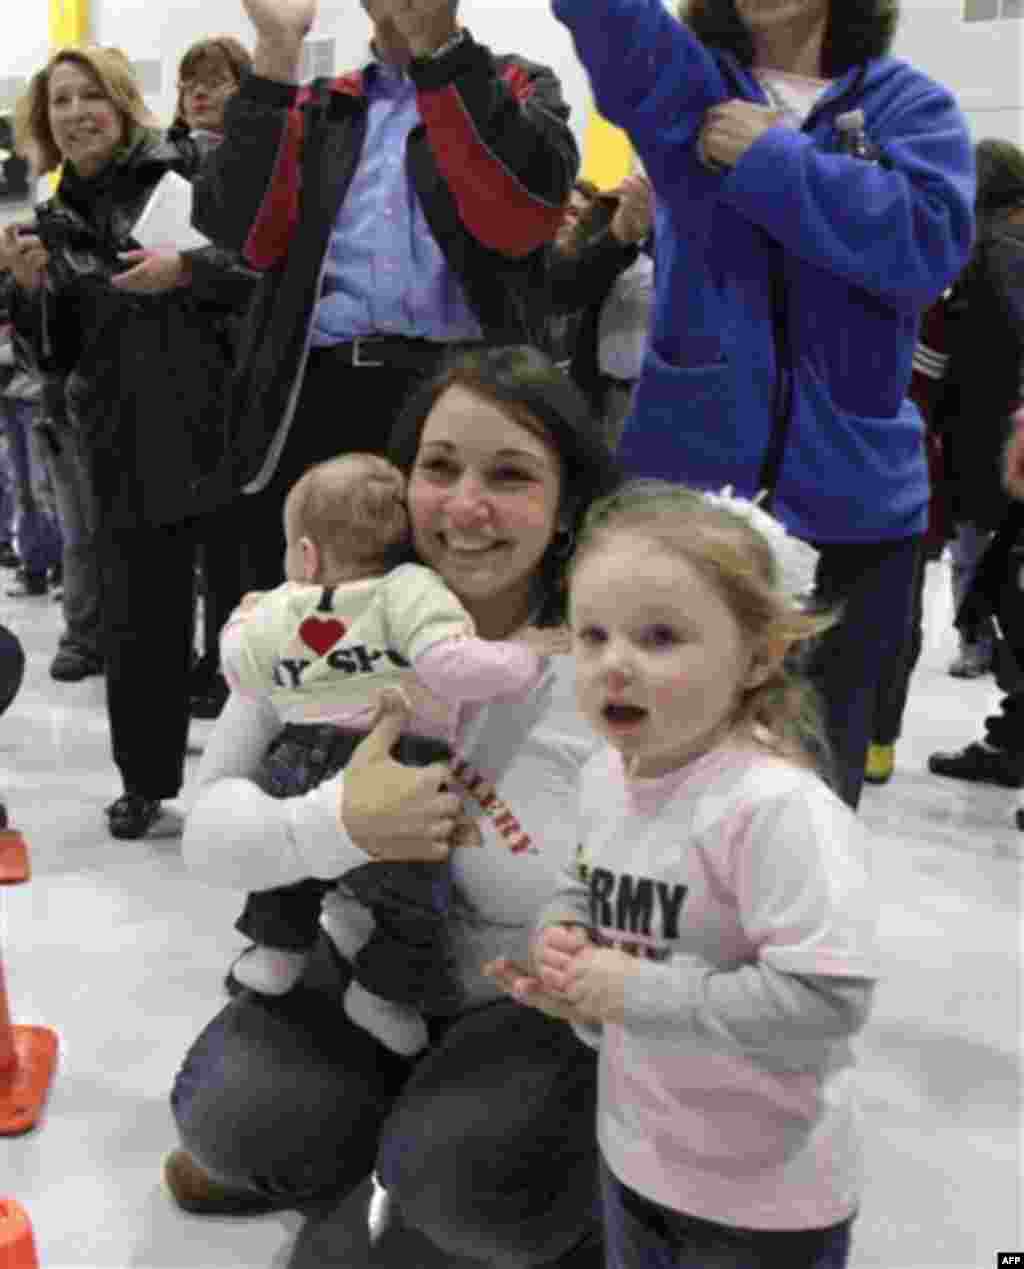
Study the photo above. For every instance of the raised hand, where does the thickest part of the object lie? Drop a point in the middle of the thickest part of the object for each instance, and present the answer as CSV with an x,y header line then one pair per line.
x,y
282,20
424,25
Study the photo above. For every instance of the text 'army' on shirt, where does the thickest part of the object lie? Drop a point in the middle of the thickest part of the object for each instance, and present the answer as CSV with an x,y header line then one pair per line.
x,y
631,904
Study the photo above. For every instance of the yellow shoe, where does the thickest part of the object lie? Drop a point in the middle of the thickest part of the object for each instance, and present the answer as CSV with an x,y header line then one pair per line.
x,y
880,762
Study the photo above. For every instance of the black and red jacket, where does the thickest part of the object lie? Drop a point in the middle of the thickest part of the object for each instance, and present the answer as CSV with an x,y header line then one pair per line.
x,y
492,163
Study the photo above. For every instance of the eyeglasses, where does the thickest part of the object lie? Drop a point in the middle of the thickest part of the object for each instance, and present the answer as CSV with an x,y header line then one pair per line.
x,y
211,86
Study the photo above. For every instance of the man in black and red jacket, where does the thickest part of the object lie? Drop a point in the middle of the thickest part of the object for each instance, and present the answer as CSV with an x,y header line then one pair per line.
x,y
396,213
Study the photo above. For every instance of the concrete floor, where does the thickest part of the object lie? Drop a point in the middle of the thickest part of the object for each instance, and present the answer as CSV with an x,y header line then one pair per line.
x,y
117,949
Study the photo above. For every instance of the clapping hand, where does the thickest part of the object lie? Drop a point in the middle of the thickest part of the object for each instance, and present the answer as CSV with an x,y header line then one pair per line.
x,y
423,24
25,256
731,128
590,979
151,272
632,219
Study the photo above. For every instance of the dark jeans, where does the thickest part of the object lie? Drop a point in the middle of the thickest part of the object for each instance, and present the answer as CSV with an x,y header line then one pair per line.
x,y
341,409
37,528
641,1234
78,513
872,586
406,958
486,1142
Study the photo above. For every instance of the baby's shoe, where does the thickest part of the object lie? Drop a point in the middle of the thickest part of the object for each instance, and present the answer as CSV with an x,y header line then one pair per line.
x,y
269,970
397,1027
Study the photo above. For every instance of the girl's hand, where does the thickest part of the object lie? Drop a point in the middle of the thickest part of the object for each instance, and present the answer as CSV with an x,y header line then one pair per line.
x,y
731,128
515,980
632,219
393,812
25,256
153,272
592,980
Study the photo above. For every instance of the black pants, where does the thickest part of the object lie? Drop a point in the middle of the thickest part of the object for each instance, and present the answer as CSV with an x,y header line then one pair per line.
x,y
406,958
340,410
894,687
147,577
871,584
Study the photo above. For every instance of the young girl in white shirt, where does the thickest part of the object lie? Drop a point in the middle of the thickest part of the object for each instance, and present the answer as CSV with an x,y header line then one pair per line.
x,y
717,922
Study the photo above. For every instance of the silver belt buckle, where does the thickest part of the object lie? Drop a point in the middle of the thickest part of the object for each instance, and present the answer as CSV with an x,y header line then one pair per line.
x,y
357,354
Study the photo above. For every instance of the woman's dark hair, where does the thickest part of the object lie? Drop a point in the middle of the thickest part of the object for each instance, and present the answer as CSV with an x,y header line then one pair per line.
x,y
1000,168
531,389
224,53
857,31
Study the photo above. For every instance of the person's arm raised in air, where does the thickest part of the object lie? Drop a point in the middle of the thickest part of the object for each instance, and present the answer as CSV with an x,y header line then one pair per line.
x,y
649,73
255,170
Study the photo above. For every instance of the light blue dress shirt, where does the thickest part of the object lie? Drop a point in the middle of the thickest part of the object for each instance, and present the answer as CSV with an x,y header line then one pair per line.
x,y
384,274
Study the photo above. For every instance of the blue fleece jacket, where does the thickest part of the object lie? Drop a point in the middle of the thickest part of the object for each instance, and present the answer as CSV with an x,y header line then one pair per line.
x,y
790,285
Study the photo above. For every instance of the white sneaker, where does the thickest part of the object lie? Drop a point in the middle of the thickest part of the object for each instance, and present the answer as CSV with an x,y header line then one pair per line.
x,y
378,1216
269,970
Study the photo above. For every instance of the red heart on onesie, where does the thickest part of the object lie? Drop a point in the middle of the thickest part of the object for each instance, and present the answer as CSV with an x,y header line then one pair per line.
x,y
321,635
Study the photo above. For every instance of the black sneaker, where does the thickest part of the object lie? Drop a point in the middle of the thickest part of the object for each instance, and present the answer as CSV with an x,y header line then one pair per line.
x,y
9,557
72,664
980,765
134,815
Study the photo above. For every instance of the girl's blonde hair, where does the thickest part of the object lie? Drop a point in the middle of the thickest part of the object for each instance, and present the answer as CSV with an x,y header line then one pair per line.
x,y
782,712
113,71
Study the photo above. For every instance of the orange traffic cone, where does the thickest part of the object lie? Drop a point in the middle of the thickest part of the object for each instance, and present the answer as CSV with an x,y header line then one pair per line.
x,y
13,858
28,1055
17,1246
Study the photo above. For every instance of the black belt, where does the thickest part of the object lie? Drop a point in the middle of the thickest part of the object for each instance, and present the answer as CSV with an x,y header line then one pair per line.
x,y
420,356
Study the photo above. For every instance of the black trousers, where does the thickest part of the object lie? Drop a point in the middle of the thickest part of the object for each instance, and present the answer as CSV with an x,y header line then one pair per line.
x,y
340,410
147,577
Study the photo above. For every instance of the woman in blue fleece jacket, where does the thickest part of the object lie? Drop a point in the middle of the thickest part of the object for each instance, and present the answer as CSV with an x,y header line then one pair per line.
x,y
814,195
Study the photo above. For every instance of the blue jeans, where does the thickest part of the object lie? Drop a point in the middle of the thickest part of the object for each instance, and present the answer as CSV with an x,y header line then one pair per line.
x,y
641,1234
486,1142
37,529
67,464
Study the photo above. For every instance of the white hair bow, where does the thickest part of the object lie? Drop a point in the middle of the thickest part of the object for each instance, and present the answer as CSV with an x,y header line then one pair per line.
x,y
796,561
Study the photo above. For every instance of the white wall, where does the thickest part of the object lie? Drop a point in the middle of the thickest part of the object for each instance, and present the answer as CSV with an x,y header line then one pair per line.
x,y
145,30
982,62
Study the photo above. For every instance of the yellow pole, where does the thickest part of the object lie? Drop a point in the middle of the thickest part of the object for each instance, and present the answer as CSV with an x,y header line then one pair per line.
x,y
607,153
69,22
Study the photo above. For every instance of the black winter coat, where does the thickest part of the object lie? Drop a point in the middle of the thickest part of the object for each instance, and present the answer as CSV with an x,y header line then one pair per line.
x,y
985,338
142,377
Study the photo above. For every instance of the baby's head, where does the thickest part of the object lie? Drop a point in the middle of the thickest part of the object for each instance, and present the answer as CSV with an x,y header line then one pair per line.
x,y
681,627
345,519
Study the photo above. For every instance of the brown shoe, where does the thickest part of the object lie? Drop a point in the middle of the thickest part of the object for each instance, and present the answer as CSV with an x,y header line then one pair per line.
x,y
195,1191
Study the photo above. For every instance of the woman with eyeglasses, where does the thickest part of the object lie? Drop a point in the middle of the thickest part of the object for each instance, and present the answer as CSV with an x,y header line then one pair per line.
x,y
209,75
